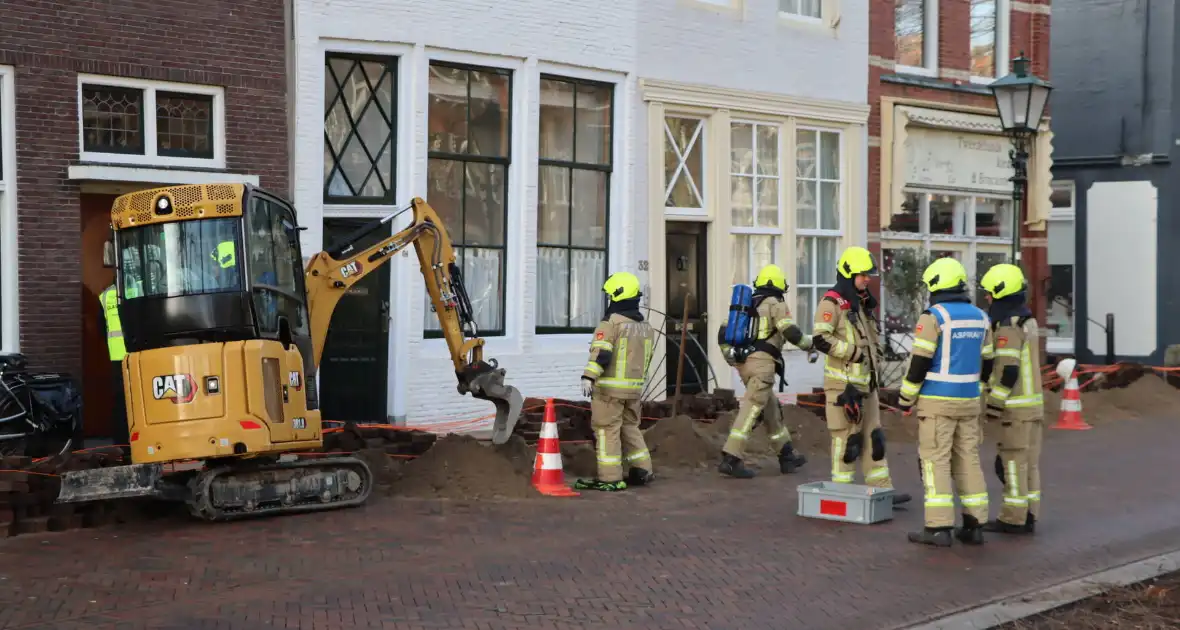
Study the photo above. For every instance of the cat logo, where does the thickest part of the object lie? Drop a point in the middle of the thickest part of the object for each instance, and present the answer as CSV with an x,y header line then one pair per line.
x,y
351,269
294,381
179,388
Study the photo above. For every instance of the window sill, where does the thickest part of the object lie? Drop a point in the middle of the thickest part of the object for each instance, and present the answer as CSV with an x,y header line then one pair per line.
x,y
915,71
819,26
1059,345
982,80
157,175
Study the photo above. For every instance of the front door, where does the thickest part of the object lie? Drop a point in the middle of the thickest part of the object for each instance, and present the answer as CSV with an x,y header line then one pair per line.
x,y
97,370
687,267
356,352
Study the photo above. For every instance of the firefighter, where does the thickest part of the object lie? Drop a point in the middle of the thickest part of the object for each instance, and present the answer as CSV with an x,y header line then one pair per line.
x,y
952,352
846,333
1015,399
761,363
613,380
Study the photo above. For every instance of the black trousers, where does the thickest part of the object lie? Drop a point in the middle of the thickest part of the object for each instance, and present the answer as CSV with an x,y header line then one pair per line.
x,y
120,432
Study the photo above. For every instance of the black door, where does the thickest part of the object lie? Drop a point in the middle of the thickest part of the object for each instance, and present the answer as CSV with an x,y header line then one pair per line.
x,y
687,278
356,352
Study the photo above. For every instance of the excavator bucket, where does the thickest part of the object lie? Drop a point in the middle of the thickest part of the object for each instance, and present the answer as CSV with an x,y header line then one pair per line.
x,y
507,399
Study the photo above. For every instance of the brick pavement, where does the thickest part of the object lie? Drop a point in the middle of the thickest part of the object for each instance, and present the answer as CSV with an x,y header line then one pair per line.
x,y
695,552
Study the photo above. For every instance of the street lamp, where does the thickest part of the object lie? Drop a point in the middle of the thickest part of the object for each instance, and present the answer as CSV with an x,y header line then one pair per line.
x,y
1020,100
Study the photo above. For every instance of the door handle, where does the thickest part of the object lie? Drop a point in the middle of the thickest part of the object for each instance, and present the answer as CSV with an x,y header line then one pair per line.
x,y
385,316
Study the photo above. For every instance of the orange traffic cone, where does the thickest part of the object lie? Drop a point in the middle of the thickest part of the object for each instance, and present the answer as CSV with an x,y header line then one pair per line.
x,y
548,475
1070,416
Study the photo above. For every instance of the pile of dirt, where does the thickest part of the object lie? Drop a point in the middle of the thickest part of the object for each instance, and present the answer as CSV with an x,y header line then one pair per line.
x,y
461,467
1147,396
680,442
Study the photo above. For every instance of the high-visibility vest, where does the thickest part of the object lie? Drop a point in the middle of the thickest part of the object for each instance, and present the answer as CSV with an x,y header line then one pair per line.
x,y
110,308
958,358
223,254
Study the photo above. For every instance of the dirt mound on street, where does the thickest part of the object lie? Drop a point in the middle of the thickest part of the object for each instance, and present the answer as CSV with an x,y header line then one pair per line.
x,y
1147,396
460,467
680,442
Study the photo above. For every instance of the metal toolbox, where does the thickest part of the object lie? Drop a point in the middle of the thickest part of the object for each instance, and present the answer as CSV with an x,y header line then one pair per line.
x,y
851,503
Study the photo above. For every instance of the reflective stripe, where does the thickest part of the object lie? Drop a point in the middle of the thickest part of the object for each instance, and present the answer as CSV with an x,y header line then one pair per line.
x,y
988,351
602,345
1015,501
1029,401
940,500
1034,496
842,477
116,347
1001,393
1011,353
784,324
620,383
781,434
1012,485
881,472
600,452
741,427
839,476
824,328
763,329
594,368
638,456
922,344
647,352
952,378
909,389
954,374
974,500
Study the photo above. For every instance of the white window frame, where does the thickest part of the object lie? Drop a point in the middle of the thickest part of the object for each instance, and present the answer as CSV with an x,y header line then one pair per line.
x,y
1055,344
842,195
1003,41
969,244
826,8
778,231
9,265
150,157
700,139
929,67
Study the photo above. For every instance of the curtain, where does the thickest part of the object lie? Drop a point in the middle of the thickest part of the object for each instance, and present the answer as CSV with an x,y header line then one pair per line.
x,y
569,299
482,278
553,286
586,303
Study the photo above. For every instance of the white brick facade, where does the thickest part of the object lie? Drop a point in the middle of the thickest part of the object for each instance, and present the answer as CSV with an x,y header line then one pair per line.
x,y
617,41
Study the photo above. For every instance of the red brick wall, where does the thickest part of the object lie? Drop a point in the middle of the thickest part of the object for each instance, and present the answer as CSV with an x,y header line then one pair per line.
x,y
1029,32
237,44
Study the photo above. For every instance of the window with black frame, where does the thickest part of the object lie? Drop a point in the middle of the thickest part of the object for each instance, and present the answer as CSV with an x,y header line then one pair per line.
x,y
573,202
360,107
274,267
179,258
469,136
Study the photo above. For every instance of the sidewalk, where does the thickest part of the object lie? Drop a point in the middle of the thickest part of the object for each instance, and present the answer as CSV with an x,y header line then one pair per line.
x,y
696,551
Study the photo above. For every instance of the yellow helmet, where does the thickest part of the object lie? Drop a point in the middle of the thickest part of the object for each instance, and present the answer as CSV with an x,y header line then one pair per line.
x,y
943,274
621,286
855,261
1003,280
772,275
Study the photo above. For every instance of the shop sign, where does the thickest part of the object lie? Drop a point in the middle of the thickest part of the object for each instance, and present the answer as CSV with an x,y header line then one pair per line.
x,y
956,160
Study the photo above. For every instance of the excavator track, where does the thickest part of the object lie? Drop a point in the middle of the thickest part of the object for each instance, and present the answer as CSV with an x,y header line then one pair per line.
x,y
246,490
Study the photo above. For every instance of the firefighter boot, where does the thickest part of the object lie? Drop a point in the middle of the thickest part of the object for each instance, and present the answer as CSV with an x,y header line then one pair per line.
x,y
734,467
603,486
789,460
933,536
639,477
971,533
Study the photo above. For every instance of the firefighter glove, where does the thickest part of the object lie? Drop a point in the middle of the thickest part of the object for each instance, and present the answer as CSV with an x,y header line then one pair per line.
x,y
587,387
850,400
905,405
812,356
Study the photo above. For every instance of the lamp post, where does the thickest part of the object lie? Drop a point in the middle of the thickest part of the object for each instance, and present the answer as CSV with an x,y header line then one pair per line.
x,y
1020,100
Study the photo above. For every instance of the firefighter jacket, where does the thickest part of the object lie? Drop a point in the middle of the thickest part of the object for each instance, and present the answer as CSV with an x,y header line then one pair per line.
x,y
619,356
952,342
1015,384
774,329
848,340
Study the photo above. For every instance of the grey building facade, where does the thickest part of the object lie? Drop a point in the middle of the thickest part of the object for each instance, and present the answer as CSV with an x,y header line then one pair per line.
x,y
1116,126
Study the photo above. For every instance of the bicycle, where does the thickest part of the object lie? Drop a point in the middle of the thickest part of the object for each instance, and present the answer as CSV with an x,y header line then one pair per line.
x,y
37,410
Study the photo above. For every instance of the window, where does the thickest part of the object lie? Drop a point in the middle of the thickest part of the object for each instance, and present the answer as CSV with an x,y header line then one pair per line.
x,y
976,230
1059,320
181,258
818,198
469,131
985,36
275,266
684,165
754,187
915,34
359,140
573,203
801,8
147,123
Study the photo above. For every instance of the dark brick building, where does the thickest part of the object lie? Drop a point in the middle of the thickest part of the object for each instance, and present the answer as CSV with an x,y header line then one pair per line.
x,y
98,98
938,161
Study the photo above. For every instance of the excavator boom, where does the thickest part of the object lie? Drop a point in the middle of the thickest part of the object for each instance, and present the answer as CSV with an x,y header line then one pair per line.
x,y
331,272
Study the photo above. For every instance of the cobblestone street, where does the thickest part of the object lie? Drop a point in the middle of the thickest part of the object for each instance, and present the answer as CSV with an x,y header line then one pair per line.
x,y
695,551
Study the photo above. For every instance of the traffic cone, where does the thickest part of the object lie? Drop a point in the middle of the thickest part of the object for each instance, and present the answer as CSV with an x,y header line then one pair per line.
x,y
548,474
1070,416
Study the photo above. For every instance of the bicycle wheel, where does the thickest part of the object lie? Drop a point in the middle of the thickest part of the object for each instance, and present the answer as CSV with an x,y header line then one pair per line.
x,y
10,408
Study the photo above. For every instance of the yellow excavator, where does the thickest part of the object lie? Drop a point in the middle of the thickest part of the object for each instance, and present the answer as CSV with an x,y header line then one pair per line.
x,y
225,327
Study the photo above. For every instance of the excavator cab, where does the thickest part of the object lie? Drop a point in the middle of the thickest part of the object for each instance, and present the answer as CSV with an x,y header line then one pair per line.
x,y
225,326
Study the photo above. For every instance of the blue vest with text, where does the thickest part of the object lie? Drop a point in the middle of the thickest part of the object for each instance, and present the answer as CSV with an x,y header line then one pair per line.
x,y
959,357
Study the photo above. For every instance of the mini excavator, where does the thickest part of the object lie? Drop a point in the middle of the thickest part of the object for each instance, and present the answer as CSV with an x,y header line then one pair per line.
x,y
225,328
